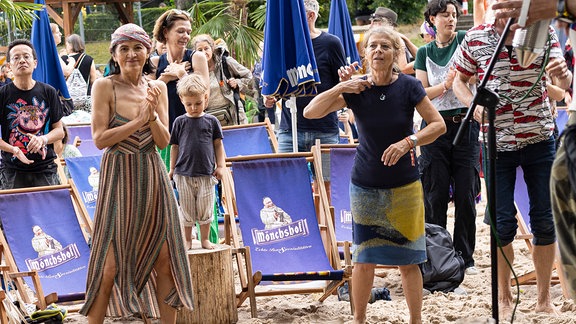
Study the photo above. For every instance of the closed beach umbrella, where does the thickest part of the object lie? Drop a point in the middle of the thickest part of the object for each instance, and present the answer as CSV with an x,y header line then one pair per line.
x,y
339,25
288,62
48,70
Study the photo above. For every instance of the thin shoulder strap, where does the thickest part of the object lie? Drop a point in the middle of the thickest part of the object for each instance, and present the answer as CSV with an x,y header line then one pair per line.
x,y
80,60
114,94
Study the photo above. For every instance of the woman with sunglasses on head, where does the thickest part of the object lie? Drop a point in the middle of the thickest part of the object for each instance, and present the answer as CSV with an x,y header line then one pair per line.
x,y
173,28
385,192
457,165
137,249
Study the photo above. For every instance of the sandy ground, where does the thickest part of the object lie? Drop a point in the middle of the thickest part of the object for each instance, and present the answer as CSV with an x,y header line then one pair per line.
x,y
475,307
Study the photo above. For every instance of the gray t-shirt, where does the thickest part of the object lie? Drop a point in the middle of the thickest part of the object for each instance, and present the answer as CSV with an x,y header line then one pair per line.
x,y
195,139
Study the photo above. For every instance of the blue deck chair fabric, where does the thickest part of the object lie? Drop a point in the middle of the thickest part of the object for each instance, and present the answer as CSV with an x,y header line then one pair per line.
x,y
85,171
293,251
521,198
561,120
84,132
246,141
341,162
61,261
88,148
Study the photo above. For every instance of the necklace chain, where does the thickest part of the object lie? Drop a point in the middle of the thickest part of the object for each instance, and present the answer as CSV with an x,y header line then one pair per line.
x,y
445,43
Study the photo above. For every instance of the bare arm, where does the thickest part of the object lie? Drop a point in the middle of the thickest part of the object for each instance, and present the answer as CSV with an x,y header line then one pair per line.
x,y
67,68
158,119
94,74
433,91
220,158
539,10
174,150
462,90
559,73
554,92
200,66
409,45
479,12
332,100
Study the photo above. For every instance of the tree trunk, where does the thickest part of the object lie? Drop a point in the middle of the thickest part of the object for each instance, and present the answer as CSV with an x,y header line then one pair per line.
x,y
213,281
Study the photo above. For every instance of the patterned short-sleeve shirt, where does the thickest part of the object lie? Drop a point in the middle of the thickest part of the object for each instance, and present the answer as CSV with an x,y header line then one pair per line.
x,y
523,117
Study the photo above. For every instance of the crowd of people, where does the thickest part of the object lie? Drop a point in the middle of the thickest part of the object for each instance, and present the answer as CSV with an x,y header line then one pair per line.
x,y
159,110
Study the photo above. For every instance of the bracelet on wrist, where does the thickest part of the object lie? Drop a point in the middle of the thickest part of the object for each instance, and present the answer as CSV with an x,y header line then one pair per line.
x,y
409,141
153,120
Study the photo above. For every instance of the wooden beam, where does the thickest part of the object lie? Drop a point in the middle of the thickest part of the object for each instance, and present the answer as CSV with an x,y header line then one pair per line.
x,y
72,8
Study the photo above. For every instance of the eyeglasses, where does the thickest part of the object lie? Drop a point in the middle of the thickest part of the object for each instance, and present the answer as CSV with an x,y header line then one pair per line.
x,y
26,57
421,35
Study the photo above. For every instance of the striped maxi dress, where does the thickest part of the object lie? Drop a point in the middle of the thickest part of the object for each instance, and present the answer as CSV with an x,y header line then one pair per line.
x,y
135,214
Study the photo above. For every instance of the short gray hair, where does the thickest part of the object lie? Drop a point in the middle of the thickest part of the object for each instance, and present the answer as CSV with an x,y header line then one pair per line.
x,y
312,5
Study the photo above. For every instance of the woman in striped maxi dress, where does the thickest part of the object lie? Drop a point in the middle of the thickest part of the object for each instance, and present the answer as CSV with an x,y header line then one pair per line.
x,y
136,224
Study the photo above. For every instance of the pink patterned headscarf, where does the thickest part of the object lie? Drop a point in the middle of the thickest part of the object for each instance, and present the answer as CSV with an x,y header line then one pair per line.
x,y
130,32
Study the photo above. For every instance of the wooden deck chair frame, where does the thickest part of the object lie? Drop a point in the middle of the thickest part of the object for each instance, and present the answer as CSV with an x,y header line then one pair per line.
x,y
248,280
10,268
266,124
529,278
3,315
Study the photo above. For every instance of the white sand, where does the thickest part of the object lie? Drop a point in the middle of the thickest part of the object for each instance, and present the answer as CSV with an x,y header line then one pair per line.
x,y
475,307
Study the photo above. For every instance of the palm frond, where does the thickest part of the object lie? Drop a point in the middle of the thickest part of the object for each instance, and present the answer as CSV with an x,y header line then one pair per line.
x,y
20,13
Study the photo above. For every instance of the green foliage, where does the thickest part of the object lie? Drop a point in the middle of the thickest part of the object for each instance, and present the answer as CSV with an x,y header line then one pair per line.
x,y
99,26
20,13
409,11
217,19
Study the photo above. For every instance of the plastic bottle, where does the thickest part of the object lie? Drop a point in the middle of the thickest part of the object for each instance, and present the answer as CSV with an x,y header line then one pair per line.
x,y
465,7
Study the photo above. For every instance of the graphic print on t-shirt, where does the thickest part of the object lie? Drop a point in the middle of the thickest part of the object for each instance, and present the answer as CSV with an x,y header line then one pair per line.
x,y
27,120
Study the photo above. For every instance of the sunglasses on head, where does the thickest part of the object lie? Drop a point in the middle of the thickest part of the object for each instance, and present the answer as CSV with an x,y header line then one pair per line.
x,y
179,12
174,12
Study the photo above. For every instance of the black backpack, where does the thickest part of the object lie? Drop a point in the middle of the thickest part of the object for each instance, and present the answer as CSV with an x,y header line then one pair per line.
x,y
444,269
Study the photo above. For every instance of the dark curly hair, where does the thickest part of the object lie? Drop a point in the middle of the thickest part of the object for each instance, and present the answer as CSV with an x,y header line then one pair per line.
x,y
435,7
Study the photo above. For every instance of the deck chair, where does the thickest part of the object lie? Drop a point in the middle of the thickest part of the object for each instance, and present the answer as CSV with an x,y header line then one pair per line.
x,y
279,256
42,238
81,136
522,203
250,139
244,140
85,175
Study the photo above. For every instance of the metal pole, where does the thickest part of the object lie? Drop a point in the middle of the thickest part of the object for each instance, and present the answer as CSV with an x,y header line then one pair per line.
x,y
81,25
139,10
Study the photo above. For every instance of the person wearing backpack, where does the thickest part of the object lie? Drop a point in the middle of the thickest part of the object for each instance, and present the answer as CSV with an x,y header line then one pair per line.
x,y
84,66
228,79
75,48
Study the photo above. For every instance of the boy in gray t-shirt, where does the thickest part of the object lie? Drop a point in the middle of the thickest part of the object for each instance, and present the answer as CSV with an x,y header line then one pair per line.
x,y
197,158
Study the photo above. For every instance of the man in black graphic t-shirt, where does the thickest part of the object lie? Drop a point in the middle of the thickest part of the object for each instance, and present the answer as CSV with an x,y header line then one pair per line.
x,y
30,113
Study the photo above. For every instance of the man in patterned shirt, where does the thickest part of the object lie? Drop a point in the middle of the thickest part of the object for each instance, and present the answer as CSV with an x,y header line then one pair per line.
x,y
524,126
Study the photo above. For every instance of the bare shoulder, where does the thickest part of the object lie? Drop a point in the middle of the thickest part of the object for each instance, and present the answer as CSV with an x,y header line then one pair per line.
x,y
154,60
157,83
103,84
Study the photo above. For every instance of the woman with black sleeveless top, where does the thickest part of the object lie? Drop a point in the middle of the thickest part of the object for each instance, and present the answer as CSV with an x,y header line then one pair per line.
x,y
173,28
75,48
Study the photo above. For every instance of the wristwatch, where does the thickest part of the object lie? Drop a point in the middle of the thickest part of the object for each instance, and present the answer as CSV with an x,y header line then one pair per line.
x,y
414,140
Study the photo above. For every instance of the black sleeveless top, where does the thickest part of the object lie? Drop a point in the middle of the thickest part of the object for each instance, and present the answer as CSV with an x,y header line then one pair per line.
x,y
175,106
